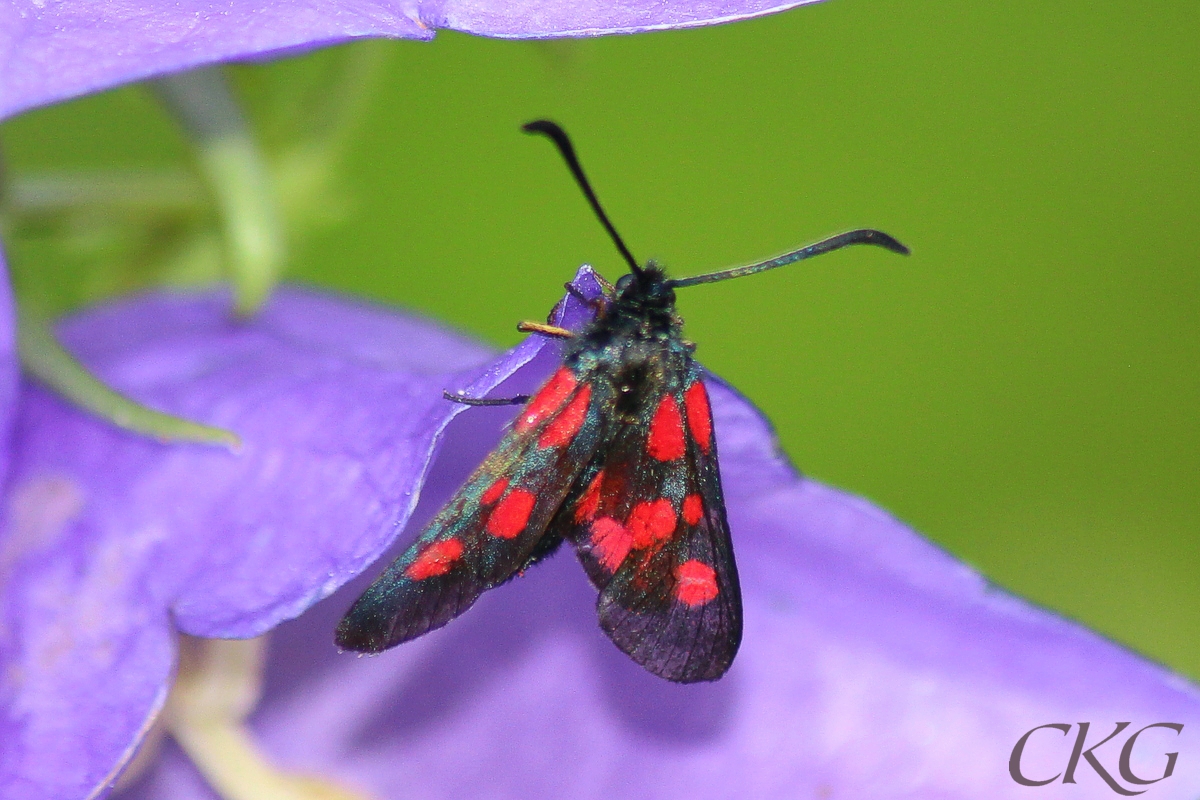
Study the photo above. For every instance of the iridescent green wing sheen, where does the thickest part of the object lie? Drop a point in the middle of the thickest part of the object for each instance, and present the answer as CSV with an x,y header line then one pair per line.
x,y
493,527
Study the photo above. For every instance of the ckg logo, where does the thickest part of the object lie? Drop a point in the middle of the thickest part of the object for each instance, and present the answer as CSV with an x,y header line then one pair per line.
x,y
1108,764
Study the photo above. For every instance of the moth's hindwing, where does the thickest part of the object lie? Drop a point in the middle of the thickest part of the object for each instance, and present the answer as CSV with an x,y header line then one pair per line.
x,y
647,518
493,527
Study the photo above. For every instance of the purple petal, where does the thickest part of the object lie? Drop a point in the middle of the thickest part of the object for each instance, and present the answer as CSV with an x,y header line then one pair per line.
x,y
85,648
111,541
873,666
548,18
54,51
9,372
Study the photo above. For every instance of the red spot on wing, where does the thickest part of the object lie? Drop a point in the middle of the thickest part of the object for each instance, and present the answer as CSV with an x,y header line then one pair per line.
x,y
693,509
611,542
699,415
696,583
510,515
568,422
650,523
591,499
665,441
494,491
437,559
548,399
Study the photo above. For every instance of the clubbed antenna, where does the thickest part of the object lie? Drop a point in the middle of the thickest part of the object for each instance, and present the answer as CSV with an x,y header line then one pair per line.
x,y
560,138
864,236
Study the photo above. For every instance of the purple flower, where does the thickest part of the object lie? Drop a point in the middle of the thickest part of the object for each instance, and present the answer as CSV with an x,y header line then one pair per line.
x,y
9,374
873,664
53,51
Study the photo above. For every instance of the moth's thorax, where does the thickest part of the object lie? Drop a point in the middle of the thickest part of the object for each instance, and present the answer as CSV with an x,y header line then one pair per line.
x,y
635,344
643,307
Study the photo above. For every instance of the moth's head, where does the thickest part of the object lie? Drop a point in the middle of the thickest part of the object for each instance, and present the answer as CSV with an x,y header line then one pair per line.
x,y
647,287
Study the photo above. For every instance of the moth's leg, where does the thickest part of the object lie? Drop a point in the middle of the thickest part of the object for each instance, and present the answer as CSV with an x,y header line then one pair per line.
x,y
548,330
486,401
523,327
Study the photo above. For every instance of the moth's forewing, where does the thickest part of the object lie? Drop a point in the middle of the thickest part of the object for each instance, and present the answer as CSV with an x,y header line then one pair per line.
x,y
494,526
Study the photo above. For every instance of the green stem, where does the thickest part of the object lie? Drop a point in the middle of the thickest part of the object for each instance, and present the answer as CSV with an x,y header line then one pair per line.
x,y
231,162
49,192
344,107
49,362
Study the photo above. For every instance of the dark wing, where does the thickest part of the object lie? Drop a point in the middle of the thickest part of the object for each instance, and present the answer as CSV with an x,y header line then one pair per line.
x,y
647,519
493,527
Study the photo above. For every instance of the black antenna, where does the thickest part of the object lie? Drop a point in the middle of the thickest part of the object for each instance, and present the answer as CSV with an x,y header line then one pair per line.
x,y
864,236
559,136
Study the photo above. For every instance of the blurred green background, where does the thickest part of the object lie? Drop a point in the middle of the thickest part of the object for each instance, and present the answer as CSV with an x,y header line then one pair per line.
x,y
1023,389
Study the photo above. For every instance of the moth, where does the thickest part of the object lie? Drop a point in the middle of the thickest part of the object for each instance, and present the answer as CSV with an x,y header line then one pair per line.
x,y
616,453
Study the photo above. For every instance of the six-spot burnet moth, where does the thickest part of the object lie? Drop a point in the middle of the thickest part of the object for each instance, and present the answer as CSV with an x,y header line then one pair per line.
x,y
616,453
